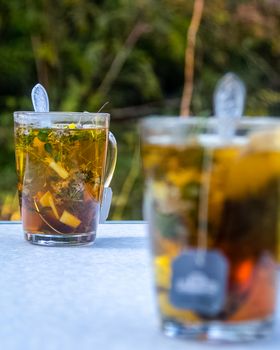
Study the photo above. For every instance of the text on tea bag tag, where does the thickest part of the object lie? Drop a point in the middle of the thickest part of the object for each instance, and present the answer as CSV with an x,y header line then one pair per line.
x,y
199,288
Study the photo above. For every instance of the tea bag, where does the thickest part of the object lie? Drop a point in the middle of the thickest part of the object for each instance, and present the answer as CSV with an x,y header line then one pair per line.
x,y
105,205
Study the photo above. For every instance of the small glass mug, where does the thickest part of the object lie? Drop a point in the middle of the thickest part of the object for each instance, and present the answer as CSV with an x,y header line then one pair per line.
x,y
62,168
213,208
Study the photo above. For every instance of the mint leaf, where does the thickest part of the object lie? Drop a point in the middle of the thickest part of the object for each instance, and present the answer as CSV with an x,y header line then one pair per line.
x,y
48,147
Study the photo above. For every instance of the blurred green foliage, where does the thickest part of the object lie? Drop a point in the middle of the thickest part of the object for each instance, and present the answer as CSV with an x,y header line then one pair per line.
x,y
131,53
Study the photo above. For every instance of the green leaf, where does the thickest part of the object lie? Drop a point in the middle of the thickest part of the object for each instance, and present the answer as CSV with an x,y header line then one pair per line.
x,y
48,148
169,225
57,157
43,135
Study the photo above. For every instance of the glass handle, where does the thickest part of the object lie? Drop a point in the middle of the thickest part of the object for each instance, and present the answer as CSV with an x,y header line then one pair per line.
x,y
111,159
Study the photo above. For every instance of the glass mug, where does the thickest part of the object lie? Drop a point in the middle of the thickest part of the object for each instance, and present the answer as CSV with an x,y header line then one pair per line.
x,y
213,215
62,168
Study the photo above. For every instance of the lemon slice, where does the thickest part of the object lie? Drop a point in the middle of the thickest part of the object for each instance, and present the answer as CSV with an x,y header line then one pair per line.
x,y
69,219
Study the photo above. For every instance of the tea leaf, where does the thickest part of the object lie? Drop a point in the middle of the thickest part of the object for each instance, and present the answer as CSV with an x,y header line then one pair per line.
x,y
191,191
48,147
43,135
25,138
57,157
168,225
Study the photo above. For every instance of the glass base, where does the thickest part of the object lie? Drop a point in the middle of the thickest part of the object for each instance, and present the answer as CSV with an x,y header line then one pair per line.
x,y
60,240
219,332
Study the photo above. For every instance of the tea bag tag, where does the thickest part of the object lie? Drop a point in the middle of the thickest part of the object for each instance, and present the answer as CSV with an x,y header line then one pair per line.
x,y
229,101
199,287
40,98
106,203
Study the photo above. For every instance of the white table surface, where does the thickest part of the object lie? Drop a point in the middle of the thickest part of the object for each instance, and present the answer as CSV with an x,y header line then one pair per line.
x,y
91,297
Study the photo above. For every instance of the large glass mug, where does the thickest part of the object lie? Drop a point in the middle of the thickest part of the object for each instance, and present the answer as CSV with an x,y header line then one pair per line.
x,y
213,208
62,167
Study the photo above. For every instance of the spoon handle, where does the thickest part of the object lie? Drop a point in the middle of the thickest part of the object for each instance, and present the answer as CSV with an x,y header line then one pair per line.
x,y
229,100
40,98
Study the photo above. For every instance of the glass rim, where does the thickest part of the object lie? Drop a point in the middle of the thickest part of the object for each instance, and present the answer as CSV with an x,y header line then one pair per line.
x,y
181,130
166,121
31,114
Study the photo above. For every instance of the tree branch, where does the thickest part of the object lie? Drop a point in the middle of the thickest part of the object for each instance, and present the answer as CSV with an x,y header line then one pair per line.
x,y
189,56
139,111
138,30
41,67
122,198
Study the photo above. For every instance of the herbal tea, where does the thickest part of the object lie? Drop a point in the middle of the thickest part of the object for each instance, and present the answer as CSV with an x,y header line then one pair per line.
x,y
60,171
215,206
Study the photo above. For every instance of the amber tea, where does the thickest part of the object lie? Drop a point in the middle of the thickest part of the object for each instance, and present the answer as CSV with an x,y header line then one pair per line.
x,y
213,212
60,179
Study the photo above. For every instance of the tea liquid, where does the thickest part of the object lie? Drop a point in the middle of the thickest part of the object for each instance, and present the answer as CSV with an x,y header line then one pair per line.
x,y
60,177
221,198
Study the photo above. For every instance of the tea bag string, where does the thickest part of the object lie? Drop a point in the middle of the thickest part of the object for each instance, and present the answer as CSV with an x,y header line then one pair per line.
x,y
203,209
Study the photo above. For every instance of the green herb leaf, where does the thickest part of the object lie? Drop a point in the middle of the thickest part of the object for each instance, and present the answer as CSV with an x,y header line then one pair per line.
x,y
48,147
169,225
43,135
57,157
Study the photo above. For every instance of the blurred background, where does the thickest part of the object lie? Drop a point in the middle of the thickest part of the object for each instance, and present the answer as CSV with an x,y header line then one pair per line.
x,y
132,54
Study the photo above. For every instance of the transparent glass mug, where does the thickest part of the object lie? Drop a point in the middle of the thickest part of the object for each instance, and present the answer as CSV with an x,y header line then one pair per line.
x,y
62,168
213,215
